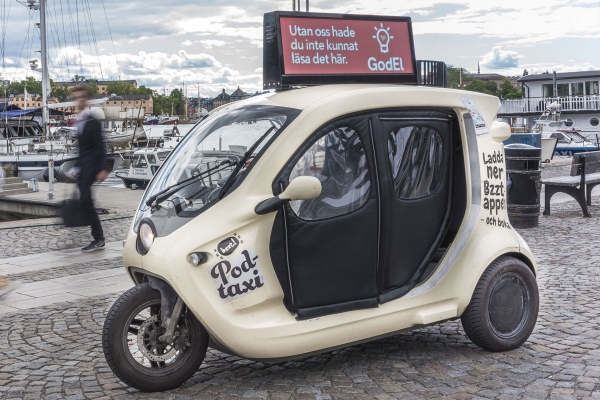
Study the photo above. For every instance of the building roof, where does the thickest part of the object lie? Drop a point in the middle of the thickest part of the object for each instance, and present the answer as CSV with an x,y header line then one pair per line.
x,y
132,81
487,77
30,96
238,93
561,75
222,96
124,97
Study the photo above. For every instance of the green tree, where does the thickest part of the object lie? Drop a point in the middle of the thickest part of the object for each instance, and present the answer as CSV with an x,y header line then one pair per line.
x,y
178,103
492,87
120,88
91,86
30,83
453,75
78,78
143,90
162,103
61,92
487,87
477,85
508,91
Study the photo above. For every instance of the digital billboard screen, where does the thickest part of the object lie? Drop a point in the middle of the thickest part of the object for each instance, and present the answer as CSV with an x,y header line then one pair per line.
x,y
311,49
314,46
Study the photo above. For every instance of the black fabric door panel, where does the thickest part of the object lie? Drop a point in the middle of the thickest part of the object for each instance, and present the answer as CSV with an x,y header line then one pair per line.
x,y
416,193
333,261
325,250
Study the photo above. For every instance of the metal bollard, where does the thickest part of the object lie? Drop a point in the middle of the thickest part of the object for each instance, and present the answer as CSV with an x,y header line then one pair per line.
x,y
34,184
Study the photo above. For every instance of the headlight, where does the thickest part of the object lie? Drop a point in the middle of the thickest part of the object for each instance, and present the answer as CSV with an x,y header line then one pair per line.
x,y
140,215
146,236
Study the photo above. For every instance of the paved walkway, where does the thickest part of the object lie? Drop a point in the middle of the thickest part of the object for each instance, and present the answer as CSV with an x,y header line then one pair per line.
x,y
50,333
66,288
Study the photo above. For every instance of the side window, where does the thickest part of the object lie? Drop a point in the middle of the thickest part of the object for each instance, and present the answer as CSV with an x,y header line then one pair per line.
x,y
416,159
151,159
139,161
559,136
338,160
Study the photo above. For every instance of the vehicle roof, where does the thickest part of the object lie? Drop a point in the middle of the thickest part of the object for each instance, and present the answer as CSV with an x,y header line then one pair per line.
x,y
371,96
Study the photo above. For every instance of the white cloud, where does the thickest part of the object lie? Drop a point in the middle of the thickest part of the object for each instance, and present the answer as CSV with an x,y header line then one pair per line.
x,y
158,70
211,43
222,40
500,59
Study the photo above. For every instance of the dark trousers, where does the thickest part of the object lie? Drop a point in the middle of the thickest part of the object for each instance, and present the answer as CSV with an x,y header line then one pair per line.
x,y
87,206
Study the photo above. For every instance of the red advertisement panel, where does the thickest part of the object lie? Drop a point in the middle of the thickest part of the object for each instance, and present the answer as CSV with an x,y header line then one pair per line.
x,y
322,46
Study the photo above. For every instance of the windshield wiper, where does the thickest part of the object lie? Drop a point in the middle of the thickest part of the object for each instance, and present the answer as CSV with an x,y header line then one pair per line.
x,y
164,194
242,162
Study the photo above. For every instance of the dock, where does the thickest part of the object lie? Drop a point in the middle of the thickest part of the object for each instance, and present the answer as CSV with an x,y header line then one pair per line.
x,y
119,200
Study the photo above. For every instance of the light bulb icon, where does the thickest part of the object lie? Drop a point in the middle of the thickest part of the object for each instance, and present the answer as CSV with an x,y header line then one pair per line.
x,y
383,37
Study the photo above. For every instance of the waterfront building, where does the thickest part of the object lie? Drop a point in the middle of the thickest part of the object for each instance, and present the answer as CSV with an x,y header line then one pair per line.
x,y
144,101
577,92
238,95
222,98
102,85
32,100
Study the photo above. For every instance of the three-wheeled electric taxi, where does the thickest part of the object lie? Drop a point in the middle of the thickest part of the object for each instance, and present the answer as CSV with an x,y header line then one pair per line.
x,y
357,212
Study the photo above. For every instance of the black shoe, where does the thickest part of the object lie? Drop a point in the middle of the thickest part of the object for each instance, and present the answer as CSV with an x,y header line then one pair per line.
x,y
95,245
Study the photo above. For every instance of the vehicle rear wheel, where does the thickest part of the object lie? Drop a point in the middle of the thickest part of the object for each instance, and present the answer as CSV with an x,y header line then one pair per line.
x,y
504,308
133,351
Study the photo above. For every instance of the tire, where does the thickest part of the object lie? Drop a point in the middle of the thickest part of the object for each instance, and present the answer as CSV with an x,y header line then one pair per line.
x,y
504,308
155,376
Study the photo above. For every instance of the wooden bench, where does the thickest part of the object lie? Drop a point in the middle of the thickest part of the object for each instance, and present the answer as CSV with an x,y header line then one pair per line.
x,y
585,175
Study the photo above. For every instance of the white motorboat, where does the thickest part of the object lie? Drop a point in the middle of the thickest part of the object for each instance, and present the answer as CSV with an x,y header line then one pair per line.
x,y
569,139
143,166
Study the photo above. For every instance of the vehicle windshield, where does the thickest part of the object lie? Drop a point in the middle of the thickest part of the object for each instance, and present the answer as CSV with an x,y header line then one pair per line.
x,y
575,137
211,152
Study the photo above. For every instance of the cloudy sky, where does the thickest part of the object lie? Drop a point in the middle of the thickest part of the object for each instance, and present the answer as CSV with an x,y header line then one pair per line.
x,y
217,44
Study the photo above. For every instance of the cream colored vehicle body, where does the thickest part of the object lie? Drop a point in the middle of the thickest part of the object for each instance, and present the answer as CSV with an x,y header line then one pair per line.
x,y
258,326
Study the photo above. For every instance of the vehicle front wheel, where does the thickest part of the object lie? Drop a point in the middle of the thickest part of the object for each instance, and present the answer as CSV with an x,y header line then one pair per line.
x,y
504,308
130,340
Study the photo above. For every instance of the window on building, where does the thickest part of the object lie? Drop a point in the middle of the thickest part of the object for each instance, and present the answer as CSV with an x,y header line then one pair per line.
x,y
562,89
591,88
577,89
547,90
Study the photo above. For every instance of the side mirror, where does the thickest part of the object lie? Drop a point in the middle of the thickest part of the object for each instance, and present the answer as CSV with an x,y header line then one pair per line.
x,y
499,131
301,188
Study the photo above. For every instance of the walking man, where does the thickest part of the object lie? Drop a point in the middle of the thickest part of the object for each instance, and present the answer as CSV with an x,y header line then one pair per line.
x,y
92,160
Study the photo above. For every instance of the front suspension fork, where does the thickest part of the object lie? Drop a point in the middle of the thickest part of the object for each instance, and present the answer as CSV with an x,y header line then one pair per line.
x,y
171,307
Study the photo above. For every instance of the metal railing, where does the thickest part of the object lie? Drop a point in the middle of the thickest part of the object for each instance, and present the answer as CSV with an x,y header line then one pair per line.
x,y
432,73
537,105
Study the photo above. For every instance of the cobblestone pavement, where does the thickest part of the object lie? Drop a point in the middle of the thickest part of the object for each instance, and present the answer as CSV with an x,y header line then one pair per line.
x,y
33,238
55,351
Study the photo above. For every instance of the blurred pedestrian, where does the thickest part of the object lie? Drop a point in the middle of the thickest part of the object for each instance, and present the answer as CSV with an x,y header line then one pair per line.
x,y
92,161
7,286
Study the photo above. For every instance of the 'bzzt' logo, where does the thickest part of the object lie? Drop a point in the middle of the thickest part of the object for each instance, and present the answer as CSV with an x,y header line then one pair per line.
x,y
383,37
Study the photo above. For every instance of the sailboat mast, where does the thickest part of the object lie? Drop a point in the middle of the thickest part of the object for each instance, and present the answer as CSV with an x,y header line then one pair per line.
x,y
45,83
45,79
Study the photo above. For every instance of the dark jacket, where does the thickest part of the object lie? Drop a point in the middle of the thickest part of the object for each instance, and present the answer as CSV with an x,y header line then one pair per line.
x,y
92,150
